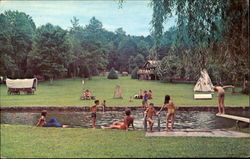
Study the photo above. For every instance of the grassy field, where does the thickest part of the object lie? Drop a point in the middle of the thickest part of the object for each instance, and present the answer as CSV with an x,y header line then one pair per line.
x,y
66,92
18,141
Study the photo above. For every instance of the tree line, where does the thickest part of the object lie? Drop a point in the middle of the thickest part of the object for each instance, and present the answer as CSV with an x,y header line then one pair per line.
x,y
208,34
81,51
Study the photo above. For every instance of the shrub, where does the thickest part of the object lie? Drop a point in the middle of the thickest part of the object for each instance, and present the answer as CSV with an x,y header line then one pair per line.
x,y
112,74
134,73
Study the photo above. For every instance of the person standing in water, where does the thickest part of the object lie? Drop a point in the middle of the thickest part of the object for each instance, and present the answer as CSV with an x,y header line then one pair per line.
x,y
221,97
93,113
171,112
150,111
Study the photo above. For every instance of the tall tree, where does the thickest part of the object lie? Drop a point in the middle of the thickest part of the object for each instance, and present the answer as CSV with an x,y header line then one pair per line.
x,y
51,51
16,38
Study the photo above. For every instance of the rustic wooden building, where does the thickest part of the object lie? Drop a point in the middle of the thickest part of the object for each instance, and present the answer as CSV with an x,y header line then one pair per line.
x,y
148,71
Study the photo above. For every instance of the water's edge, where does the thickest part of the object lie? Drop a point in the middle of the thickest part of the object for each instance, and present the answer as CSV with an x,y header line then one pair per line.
x,y
113,108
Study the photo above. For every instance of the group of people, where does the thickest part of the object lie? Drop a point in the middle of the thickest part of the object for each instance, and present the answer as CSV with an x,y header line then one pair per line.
x,y
86,95
149,112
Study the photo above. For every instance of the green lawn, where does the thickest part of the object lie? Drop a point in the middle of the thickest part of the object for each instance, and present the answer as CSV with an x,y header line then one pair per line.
x,y
19,141
66,92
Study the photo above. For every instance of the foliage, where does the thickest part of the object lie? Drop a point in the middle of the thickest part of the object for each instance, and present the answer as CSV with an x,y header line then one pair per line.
x,y
51,51
134,73
169,68
211,28
16,37
84,71
137,61
112,74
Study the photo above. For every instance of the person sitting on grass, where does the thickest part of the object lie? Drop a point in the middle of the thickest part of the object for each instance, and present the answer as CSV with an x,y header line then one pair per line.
x,y
128,120
171,112
87,94
150,111
221,97
51,123
150,95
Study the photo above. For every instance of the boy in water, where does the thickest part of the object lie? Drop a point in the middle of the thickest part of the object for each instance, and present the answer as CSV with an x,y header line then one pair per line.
x,y
171,112
93,114
150,111
221,97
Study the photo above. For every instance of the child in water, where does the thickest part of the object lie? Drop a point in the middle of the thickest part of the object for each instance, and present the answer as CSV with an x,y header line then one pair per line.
x,y
171,112
93,113
150,111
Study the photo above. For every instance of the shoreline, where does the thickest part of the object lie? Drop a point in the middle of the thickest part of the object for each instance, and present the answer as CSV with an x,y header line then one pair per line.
x,y
115,108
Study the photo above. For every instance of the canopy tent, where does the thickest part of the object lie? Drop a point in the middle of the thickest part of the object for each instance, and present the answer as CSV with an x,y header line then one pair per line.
x,y
21,83
204,84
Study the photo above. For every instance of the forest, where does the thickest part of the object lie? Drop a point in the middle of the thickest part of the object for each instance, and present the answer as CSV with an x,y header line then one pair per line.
x,y
208,34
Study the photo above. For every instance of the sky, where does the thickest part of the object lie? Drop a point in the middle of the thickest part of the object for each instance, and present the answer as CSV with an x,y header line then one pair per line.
x,y
134,16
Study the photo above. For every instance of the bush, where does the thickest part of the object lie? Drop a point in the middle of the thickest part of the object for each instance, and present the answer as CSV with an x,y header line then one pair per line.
x,y
112,74
134,73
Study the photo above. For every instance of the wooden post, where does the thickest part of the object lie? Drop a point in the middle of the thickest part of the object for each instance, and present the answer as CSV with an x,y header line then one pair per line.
x,y
159,123
145,122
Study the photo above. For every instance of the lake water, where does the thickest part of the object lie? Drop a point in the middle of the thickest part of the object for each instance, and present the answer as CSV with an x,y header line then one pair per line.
x,y
183,119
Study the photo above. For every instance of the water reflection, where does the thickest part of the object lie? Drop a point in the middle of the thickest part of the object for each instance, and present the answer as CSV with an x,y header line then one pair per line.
x,y
183,119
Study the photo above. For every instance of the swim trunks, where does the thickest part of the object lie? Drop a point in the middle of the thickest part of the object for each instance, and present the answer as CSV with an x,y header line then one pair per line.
x,y
93,115
123,126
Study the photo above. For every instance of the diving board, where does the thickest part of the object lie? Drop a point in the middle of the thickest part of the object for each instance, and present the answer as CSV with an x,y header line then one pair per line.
x,y
238,118
202,96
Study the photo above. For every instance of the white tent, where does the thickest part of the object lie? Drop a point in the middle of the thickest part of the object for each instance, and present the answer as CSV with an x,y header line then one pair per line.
x,y
21,83
204,84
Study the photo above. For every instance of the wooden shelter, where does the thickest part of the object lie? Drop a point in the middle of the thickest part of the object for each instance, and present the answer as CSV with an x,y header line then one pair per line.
x,y
148,71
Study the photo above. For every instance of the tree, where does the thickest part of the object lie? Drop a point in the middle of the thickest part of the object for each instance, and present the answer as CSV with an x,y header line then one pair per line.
x,y
84,71
51,51
137,61
16,37
169,68
216,28
112,74
134,73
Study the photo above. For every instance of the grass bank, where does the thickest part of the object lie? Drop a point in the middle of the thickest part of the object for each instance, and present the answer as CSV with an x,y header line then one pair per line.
x,y
67,92
19,141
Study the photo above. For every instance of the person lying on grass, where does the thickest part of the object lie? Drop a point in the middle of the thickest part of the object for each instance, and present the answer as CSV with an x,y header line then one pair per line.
x,y
150,111
171,112
128,120
221,97
51,123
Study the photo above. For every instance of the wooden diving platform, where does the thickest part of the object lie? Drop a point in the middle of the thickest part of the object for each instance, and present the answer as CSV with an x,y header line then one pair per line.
x,y
202,96
237,118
